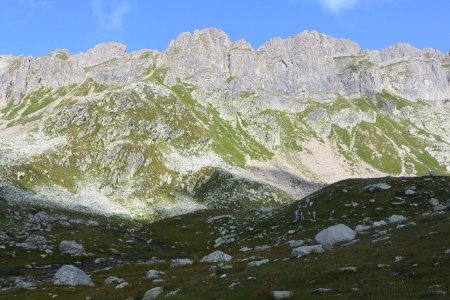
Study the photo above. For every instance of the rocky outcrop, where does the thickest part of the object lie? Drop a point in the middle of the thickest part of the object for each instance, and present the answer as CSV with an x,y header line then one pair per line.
x,y
308,65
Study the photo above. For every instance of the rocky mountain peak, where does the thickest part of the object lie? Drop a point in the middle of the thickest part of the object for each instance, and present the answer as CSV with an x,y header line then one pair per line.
x,y
100,53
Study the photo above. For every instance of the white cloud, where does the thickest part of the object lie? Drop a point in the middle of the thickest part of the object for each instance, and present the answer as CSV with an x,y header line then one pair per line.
x,y
110,14
336,6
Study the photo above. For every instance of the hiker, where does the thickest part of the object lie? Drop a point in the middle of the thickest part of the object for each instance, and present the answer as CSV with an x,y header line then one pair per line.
x,y
314,214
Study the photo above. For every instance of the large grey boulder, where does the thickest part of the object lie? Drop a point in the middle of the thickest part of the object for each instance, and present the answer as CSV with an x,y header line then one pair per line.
x,y
334,235
71,276
216,256
153,293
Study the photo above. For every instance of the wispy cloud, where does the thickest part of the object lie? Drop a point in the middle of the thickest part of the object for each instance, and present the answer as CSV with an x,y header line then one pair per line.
x,y
337,6
110,14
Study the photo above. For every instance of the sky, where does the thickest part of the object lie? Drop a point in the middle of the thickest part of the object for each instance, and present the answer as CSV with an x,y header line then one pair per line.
x,y
37,27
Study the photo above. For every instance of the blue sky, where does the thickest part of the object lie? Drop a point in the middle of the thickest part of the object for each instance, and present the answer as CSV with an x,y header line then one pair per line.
x,y
36,27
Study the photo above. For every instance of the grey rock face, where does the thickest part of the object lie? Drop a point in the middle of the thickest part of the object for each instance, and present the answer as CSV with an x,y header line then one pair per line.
x,y
216,256
334,235
308,65
71,276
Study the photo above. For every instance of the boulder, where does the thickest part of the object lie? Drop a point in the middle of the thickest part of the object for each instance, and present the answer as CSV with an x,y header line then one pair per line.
x,y
258,263
306,250
113,280
71,247
295,244
71,276
433,202
361,228
153,293
282,294
334,235
155,274
216,256
179,262
396,219
376,187
35,241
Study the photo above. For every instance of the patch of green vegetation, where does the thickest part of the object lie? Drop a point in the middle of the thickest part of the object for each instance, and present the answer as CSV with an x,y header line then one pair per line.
x,y
246,94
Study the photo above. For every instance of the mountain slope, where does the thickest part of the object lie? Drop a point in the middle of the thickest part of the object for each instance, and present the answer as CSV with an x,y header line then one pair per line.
x,y
211,122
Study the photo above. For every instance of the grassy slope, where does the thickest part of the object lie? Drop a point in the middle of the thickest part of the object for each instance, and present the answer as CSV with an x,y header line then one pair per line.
x,y
423,247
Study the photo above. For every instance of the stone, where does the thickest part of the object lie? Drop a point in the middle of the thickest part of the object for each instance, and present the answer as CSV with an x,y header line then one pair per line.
x,y
282,294
409,192
322,290
447,252
295,243
433,201
216,256
155,274
71,276
72,248
382,186
334,235
35,241
361,228
179,262
396,219
153,293
122,285
113,280
258,263
379,223
306,250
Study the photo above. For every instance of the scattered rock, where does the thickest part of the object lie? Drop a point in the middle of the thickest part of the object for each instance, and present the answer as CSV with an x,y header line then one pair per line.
x,y
155,274
179,262
396,219
282,294
306,250
379,223
322,290
35,241
258,263
213,219
361,228
153,293
122,285
433,202
295,243
71,276
348,269
377,187
409,192
334,235
447,252
72,248
216,256
113,280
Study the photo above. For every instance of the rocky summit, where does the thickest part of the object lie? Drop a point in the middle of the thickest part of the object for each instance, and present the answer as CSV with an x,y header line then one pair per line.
x,y
214,123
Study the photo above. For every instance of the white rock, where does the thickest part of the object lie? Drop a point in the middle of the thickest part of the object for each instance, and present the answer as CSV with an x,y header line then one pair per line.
x,y
410,192
295,243
379,223
216,256
433,202
153,293
71,276
334,235
122,285
361,228
179,262
113,280
306,250
377,187
396,219
258,263
282,294
71,247
154,274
